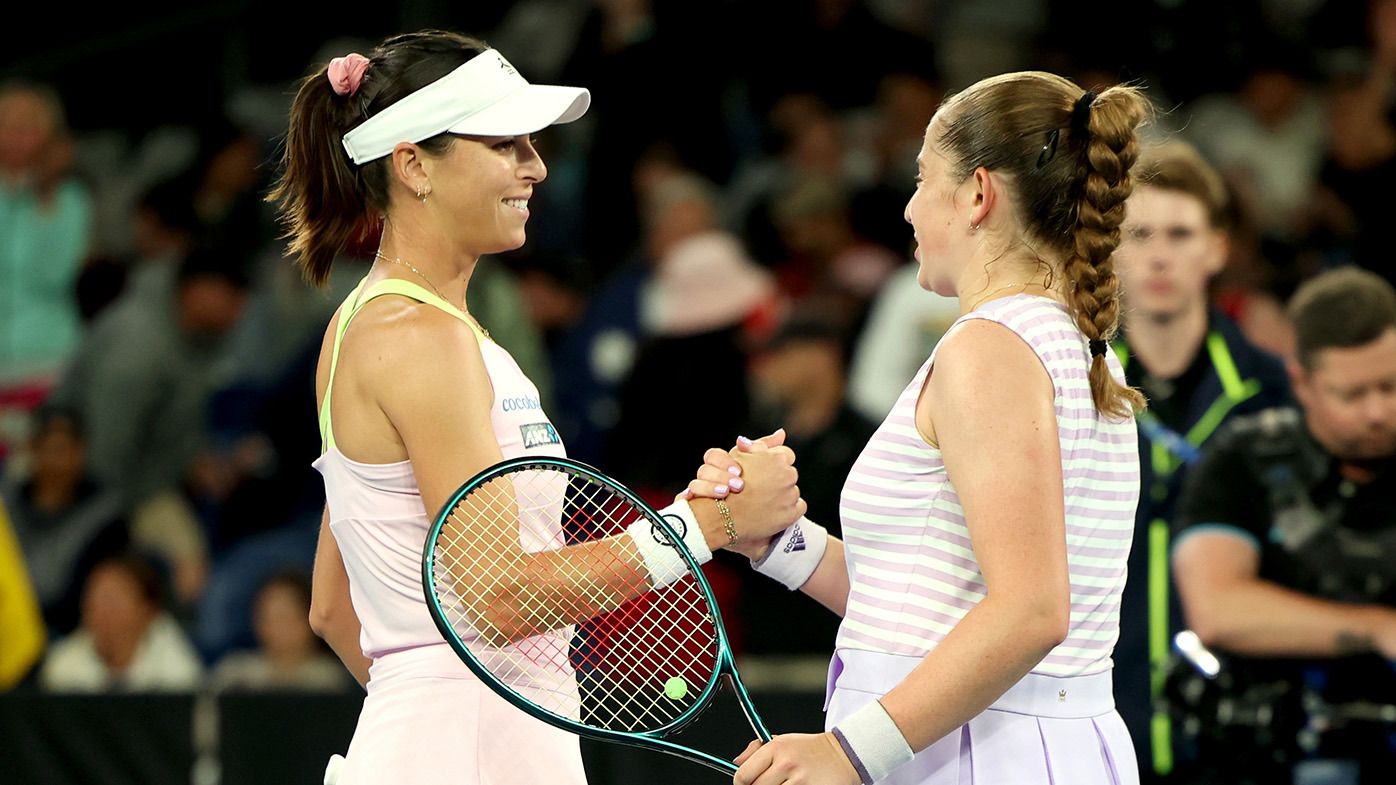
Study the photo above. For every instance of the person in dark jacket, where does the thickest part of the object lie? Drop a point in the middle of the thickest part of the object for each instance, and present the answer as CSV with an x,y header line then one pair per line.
x,y
1197,370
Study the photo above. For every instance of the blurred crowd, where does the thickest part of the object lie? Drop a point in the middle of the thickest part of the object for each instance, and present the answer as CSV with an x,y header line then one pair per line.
x,y
722,234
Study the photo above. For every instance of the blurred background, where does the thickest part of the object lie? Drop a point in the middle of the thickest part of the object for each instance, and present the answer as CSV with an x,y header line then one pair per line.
x,y
157,416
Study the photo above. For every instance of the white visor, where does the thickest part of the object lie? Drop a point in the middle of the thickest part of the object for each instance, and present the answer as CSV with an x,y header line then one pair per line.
x,y
484,97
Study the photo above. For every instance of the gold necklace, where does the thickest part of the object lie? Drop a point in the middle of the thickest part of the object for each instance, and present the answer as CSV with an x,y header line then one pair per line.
x,y
986,298
423,276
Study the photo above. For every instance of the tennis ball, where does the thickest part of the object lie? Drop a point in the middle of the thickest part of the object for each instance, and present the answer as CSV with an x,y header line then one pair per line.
x,y
675,688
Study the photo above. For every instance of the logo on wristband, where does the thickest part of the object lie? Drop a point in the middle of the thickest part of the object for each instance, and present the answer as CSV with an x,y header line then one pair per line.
x,y
680,528
796,541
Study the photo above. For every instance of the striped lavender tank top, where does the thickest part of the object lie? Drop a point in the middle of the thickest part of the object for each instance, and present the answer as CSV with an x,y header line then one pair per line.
x,y
912,572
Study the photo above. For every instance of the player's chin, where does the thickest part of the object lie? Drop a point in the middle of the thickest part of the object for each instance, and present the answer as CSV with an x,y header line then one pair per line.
x,y
509,241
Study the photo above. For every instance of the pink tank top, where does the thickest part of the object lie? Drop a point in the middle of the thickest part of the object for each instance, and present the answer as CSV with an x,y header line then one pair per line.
x,y
376,511
912,569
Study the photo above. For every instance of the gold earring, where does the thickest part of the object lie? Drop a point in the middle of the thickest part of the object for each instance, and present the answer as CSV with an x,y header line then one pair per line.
x,y
422,194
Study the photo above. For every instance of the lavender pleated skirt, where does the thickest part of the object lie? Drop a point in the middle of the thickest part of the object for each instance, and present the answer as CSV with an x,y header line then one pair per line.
x,y
428,720
1044,731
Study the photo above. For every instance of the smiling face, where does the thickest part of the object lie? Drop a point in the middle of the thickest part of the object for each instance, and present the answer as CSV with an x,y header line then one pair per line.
x,y
479,191
937,220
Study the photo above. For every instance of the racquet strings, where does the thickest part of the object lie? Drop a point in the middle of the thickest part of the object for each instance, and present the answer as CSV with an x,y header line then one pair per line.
x,y
574,647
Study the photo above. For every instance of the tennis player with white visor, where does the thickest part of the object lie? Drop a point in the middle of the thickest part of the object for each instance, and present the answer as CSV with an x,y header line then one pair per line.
x,y
428,138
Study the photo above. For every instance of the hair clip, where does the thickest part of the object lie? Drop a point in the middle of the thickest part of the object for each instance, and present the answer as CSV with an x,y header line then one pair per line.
x,y
1049,149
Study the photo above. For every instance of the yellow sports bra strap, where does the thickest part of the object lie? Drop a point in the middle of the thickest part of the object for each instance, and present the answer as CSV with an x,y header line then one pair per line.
x,y
346,314
355,302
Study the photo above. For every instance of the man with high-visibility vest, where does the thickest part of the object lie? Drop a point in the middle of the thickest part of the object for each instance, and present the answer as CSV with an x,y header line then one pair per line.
x,y
1197,370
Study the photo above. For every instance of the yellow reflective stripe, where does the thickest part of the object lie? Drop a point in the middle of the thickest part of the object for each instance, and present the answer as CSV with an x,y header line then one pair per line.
x,y
1225,366
1216,413
1164,462
1161,733
1234,392
1161,730
1158,601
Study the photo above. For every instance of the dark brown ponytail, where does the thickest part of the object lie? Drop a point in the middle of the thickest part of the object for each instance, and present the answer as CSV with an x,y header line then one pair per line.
x,y
318,194
324,201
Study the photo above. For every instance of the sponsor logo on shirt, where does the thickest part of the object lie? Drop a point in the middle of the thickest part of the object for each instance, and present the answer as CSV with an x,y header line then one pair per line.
x,y
538,434
521,403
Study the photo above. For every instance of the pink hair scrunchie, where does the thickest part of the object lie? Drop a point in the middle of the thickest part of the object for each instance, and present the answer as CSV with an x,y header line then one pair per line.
x,y
345,73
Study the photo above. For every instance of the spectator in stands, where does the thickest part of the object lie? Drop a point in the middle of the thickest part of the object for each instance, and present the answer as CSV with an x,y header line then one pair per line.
x,y
904,323
825,257
1267,139
703,293
1362,145
45,218
127,642
597,357
141,381
64,520
164,233
288,655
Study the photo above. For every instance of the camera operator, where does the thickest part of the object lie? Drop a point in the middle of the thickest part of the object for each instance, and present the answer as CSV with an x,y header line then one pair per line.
x,y
1285,552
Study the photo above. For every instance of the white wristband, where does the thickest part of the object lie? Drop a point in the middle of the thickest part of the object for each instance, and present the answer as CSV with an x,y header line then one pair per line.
x,y
873,742
662,559
794,553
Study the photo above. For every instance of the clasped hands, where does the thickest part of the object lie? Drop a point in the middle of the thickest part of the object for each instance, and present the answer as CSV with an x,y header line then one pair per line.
x,y
757,479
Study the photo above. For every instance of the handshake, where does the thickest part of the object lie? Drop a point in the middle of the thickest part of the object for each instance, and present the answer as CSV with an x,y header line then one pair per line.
x,y
753,488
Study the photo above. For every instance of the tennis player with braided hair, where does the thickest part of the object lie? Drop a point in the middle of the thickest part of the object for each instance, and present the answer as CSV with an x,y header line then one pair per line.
x,y
988,521
427,139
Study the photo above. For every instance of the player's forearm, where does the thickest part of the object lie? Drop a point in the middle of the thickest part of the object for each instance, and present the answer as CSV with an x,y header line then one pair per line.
x,y
332,615
988,651
343,640
512,595
1260,618
553,589
828,584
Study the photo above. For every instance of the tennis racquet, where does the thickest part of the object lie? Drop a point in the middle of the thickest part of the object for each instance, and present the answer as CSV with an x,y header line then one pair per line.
x,y
578,639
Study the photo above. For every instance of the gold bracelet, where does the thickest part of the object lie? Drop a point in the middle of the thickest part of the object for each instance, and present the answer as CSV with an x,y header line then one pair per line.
x,y
728,525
